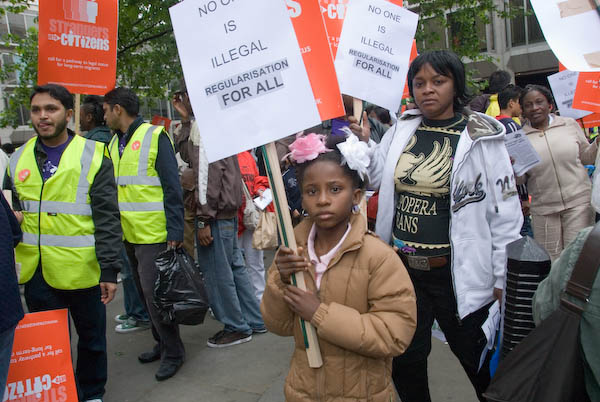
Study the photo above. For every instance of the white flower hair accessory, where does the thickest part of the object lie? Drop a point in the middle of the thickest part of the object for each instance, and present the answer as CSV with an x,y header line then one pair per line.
x,y
355,154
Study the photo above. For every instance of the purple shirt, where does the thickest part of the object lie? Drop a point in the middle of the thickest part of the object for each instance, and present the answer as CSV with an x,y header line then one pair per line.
x,y
53,155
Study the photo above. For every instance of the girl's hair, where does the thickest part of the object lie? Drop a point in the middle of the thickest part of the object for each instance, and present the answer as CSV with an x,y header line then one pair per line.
x,y
541,89
446,63
334,156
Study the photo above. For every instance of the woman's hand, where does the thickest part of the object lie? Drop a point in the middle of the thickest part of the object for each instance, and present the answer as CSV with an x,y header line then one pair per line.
x,y
362,132
288,262
179,105
302,303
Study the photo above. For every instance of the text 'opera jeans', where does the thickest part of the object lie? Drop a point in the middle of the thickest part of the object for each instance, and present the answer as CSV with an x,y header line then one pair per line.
x,y
436,300
89,317
230,292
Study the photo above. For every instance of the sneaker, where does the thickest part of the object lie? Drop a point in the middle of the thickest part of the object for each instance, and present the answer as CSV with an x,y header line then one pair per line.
x,y
131,325
222,339
262,330
121,318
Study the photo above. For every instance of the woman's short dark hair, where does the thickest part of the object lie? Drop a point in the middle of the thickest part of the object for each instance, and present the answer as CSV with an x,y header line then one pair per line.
x,y
498,81
448,64
125,98
334,156
93,105
541,89
57,92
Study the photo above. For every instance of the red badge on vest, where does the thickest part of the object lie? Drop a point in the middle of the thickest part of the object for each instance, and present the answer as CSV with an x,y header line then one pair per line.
x,y
136,145
24,174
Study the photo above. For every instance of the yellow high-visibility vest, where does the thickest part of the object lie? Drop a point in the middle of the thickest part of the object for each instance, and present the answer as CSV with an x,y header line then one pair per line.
x,y
58,229
140,192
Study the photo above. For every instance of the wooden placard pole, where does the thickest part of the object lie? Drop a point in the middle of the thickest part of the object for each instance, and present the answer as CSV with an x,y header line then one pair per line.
x,y
77,114
286,233
357,111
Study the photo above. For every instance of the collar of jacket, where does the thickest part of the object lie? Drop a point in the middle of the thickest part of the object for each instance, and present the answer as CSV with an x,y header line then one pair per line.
x,y
557,121
353,241
479,125
134,126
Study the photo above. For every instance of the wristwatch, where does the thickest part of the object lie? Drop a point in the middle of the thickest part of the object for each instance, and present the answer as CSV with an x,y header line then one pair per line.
x,y
201,224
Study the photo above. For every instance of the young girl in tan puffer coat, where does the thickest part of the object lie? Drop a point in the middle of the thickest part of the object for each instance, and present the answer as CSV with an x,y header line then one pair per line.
x,y
360,298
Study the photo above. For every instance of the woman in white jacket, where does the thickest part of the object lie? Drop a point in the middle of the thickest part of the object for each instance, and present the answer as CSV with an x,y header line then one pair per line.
x,y
448,202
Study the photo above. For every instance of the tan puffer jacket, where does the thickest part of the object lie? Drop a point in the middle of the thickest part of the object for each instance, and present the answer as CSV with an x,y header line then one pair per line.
x,y
367,316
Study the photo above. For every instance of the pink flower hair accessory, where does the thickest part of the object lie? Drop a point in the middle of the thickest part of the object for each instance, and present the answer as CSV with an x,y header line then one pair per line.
x,y
307,147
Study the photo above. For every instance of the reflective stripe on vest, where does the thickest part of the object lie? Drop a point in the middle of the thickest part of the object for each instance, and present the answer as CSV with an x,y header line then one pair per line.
x,y
59,241
142,177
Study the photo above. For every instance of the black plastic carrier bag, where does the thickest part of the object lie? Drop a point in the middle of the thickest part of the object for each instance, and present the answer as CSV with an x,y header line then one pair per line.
x,y
179,293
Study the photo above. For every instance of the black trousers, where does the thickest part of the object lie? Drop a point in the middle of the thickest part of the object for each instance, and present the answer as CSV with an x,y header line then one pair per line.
x,y
436,300
143,268
89,318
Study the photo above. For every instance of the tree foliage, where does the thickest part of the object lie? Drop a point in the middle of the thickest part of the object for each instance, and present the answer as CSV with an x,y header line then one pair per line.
x,y
147,59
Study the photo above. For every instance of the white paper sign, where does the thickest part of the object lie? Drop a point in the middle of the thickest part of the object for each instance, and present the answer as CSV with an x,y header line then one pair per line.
x,y
563,86
489,327
374,51
572,29
244,73
521,152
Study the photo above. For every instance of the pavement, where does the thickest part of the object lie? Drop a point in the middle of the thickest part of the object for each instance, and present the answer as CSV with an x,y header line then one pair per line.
x,y
250,372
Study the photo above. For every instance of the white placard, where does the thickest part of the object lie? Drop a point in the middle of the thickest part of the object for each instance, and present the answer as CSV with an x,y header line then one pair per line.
x,y
244,73
572,29
563,86
489,327
521,151
374,51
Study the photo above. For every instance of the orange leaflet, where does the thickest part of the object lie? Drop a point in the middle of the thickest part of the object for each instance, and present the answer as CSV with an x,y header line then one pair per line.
x,y
40,365
78,44
312,38
587,92
334,12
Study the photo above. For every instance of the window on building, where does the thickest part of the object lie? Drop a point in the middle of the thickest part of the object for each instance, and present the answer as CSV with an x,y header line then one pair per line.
x,y
23,117
436,36
524,29
457,22
7,60
3,25
16,24
30,21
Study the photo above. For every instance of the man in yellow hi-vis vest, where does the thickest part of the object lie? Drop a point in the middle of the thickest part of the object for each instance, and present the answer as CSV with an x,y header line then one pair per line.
x,y
69,256
151,205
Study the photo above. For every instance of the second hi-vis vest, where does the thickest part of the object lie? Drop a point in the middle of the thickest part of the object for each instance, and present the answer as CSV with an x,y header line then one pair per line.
x,y
140,192
58,229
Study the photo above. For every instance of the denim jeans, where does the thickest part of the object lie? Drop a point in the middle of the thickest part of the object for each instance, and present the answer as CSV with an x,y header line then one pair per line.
x,y
89,317
134,307
436,300
254,263
231,294
6,342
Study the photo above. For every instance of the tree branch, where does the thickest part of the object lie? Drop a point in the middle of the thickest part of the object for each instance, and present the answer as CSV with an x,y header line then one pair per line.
x,y
142,41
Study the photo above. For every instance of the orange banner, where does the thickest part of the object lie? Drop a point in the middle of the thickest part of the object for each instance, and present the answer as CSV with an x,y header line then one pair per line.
x,y
592,120
312,38
587,92
161,121
334,12
77,45
40,365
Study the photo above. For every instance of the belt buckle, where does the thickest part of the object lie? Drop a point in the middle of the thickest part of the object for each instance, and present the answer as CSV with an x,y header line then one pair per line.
x,y
418,262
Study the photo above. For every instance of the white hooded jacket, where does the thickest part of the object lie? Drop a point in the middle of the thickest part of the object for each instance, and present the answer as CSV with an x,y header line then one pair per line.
x,y
485,211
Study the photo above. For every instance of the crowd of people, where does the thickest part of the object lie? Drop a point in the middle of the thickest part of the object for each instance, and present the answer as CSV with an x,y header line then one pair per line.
x,y
85,209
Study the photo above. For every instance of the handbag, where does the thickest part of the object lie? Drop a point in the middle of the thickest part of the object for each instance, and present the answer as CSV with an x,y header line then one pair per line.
x,y
251,215
265,234
547,365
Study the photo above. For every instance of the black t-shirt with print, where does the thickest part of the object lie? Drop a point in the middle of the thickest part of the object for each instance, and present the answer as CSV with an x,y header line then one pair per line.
x,y
422,182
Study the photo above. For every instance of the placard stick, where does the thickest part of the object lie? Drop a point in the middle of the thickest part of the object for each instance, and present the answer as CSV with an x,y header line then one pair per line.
x,y
77,116
286,233
357,111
